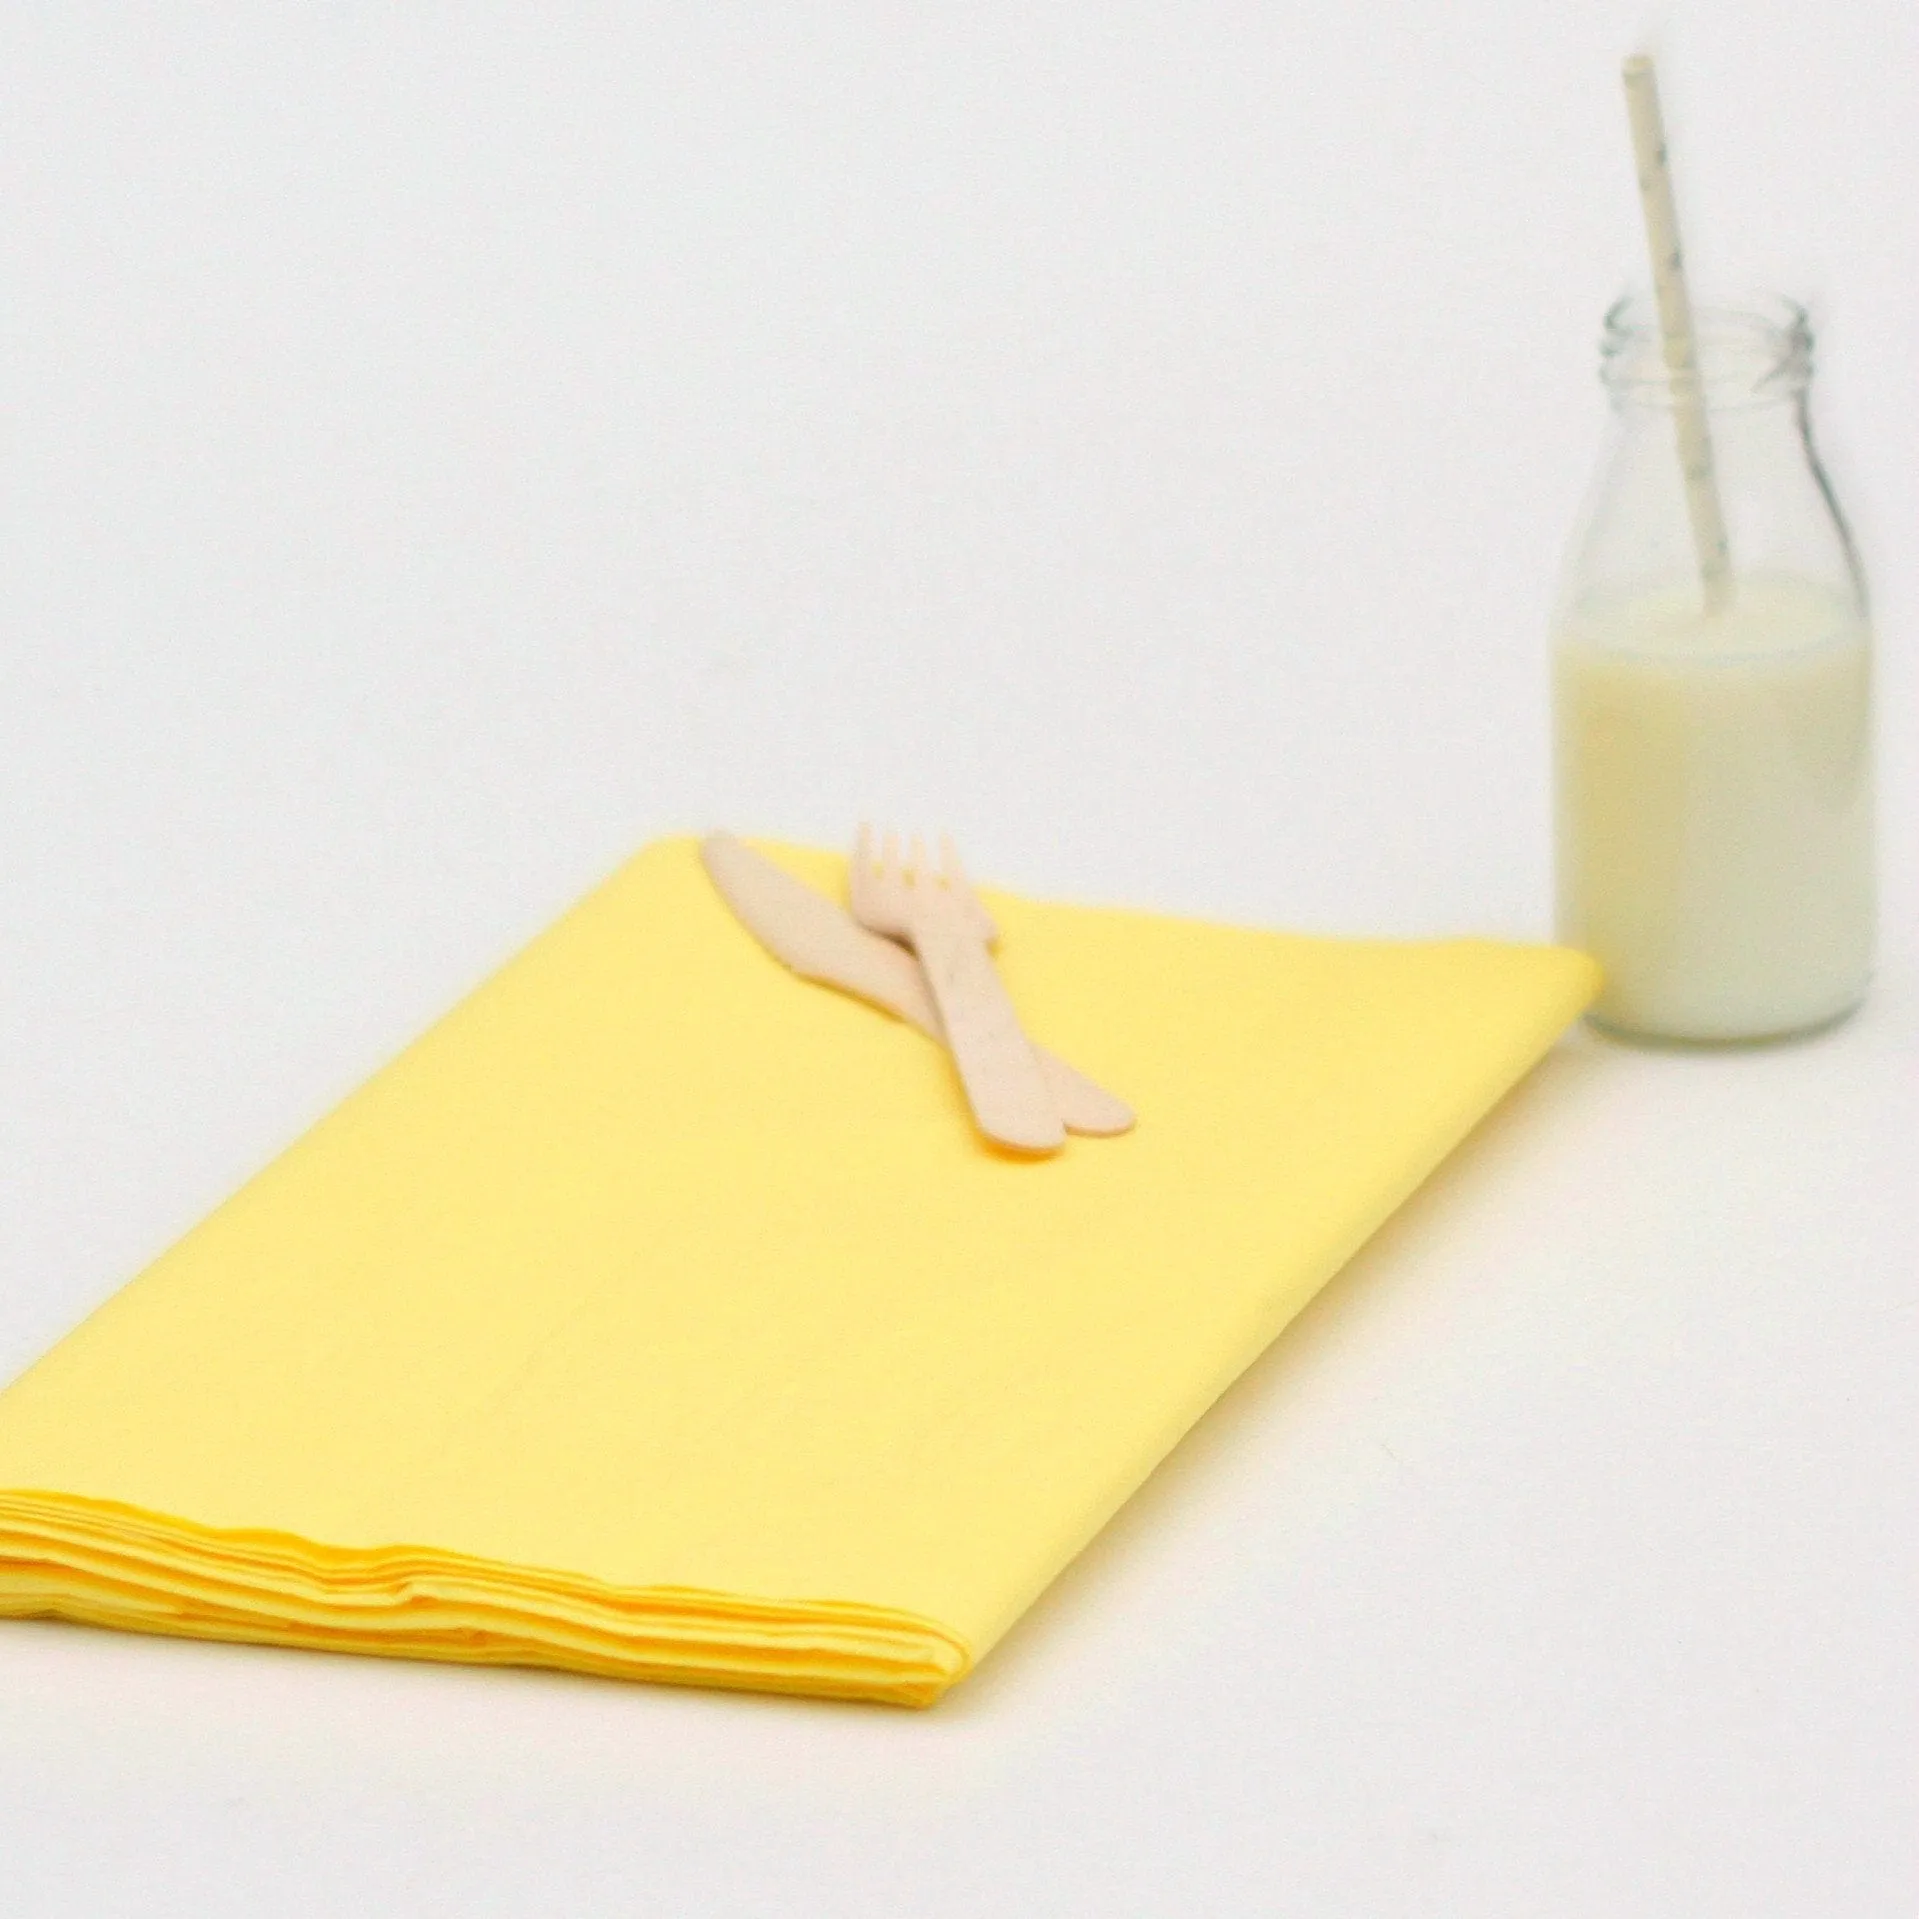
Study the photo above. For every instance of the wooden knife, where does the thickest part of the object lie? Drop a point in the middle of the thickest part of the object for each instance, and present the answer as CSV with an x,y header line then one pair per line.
x,y
822,942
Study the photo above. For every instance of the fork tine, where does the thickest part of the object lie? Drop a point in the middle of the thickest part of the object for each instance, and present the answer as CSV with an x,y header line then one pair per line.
x,y
961,889
890,858
955,875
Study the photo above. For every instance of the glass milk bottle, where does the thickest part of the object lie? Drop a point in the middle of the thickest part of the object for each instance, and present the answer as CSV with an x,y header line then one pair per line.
x,y
1712,750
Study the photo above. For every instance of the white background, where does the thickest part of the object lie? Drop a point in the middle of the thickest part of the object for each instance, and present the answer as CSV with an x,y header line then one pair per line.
x,y
443,448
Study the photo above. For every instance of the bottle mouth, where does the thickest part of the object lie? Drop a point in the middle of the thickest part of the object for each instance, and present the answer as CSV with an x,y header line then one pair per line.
x,y
1754,351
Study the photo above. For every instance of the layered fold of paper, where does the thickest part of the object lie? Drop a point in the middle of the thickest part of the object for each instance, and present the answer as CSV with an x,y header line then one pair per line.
x,y
659,1316
109,1565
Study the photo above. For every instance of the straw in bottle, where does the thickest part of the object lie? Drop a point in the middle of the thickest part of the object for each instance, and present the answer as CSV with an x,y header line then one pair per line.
x,y
1676,332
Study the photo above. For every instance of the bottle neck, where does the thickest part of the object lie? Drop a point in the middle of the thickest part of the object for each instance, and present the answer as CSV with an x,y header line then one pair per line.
x,y
1746,357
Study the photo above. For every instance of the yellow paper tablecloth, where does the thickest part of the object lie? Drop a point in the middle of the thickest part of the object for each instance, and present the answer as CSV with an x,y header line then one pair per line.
x,y
658,1315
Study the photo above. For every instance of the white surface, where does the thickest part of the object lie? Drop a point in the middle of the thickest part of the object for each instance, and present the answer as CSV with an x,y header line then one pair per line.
x,y
445,448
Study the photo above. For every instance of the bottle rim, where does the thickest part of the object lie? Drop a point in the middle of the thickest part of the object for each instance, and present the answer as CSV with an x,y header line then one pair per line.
x,y
1752,351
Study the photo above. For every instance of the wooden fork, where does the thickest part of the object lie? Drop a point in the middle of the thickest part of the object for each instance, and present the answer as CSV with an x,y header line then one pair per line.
x,y
940,916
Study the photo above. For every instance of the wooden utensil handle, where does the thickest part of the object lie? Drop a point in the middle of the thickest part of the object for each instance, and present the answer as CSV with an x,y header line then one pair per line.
x,y
1004,1085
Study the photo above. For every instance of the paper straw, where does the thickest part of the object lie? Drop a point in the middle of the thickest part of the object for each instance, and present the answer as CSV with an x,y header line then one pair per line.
x,y
1675,330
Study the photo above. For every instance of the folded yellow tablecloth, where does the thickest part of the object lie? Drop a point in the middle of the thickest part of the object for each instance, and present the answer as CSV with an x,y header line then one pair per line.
x,y
658,1315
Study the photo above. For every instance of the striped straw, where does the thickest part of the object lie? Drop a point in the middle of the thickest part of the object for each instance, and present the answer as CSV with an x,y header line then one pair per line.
x,y
1676,332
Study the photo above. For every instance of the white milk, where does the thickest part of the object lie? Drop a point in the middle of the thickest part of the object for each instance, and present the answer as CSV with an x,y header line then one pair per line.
x,y
1714,808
